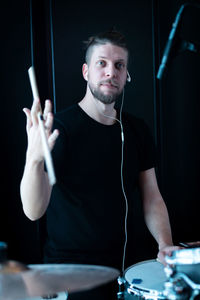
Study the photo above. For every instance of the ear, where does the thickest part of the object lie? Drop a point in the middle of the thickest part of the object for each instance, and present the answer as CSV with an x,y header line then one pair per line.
x,y
85,71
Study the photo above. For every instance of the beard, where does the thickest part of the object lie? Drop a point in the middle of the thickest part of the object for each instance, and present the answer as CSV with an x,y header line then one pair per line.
x,y
106,99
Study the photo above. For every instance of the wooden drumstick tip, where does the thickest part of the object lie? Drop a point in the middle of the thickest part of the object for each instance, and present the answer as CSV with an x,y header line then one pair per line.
x,y
33,82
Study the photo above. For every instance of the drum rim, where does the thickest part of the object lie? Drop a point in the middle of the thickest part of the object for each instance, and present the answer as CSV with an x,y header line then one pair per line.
x,y
152,293
142,262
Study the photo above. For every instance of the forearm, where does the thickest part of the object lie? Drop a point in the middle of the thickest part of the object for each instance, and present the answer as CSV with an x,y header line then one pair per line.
x,y
157,221
35,190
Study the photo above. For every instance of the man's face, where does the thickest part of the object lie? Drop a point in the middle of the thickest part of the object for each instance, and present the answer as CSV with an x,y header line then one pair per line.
x,y
107,72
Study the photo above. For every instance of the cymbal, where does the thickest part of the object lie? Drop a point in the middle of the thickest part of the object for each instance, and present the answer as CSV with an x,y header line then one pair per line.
x,y
12,266
41,280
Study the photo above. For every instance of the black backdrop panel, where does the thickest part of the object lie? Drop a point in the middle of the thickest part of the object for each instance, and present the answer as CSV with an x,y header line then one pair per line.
x,y
180,107
15,229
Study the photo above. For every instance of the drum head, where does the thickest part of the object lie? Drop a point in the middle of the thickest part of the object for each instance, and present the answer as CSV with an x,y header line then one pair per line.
x,y
146,279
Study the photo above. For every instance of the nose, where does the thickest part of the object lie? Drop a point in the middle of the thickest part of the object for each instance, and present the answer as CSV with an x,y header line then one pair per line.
x,y
110,71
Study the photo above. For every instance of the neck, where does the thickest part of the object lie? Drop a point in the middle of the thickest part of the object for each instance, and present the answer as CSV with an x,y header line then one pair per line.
x,y
103,113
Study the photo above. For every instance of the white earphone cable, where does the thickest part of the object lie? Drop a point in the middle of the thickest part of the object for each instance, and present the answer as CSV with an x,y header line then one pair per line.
x,y
122,178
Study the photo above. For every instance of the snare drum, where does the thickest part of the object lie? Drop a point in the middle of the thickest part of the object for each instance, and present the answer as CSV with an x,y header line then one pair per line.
x,y
146,280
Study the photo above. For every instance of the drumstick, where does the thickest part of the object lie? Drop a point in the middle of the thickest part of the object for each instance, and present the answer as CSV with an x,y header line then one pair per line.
x,y
185,245
190,245
47,153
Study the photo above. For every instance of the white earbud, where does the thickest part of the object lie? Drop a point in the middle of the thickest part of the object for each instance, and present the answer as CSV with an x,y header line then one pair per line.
x,y
128,77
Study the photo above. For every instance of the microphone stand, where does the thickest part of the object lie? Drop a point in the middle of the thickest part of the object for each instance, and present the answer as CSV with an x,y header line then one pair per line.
x,y
176,45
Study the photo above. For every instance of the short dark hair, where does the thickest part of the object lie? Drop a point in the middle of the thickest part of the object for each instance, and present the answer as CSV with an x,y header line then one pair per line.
x,y
110,36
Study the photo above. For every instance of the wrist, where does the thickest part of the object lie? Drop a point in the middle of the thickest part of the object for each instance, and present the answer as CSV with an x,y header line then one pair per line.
x,y
33,159
32,162
163,245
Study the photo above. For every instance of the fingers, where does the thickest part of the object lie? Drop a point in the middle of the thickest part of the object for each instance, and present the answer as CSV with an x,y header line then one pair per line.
x,y
52,138
161,258
166,251
32,119
49,122
48,116
47,109
35,109
33,113
28,118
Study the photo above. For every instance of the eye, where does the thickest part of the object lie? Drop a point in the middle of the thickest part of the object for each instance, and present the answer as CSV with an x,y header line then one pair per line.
x,y
101,63
119,65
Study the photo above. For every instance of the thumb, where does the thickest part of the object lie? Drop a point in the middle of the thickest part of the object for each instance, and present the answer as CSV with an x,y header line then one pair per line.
x,y
28,118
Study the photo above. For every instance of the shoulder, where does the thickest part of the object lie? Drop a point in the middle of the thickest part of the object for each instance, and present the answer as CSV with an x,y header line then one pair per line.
x,y
67,113
67,117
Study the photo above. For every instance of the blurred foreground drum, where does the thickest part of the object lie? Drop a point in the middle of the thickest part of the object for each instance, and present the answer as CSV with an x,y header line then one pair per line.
x,y
186,261
145,280
183,273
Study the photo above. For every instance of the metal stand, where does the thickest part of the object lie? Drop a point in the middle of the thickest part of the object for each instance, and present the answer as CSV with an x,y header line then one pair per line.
x,y
180,286
122,288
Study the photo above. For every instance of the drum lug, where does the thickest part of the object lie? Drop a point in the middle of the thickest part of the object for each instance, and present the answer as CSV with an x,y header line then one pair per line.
x,y
176,289
169,272
122,288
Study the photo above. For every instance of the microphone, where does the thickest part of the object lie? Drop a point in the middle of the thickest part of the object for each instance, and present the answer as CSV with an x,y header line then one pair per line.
x,y
170,43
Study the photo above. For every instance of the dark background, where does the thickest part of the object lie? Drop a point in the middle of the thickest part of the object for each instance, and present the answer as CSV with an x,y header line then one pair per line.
x,y
170,107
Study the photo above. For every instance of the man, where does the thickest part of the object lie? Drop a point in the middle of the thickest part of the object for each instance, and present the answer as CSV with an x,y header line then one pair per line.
x,y
100,157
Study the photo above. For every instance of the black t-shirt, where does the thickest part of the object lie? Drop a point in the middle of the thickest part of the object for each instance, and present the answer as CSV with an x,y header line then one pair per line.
x,y
85,217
